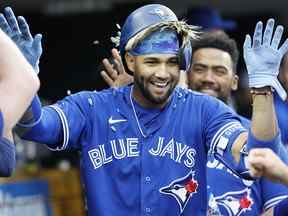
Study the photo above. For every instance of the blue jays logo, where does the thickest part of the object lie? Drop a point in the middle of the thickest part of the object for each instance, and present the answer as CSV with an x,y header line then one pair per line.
x,y
160,13
181,189
235,203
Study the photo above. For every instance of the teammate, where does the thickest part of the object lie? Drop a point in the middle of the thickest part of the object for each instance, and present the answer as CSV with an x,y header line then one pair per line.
x,y
213,71
143,147
18,85
280,105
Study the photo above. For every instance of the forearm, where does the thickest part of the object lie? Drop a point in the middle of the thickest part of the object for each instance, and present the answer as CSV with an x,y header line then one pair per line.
x,y
18,82
47,130
264,122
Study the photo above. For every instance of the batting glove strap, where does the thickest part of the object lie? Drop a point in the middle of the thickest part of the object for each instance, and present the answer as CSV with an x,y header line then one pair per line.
x,y
259,80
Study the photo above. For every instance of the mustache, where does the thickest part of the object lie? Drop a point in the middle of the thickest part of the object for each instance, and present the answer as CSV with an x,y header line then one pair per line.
x,y
205,86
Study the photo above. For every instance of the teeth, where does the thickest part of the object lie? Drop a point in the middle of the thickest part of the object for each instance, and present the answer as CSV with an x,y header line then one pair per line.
x,y
159,84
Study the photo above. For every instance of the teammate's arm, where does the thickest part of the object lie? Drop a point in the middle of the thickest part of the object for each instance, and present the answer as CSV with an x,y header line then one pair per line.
x,y
262,58
114,74
18,84
49,125
264,162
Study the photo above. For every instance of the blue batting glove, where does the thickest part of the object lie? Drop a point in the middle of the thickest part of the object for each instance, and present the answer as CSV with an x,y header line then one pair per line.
x,y
18,31
263,57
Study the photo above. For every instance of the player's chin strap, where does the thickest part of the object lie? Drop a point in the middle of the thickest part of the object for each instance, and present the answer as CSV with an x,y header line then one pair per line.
x,y
241,169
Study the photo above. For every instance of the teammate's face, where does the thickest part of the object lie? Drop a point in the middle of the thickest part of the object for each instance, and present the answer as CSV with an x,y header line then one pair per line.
x,y
155,77
212,73
283,75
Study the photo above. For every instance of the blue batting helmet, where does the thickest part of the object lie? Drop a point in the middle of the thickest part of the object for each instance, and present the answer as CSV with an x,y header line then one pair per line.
x,y
149,16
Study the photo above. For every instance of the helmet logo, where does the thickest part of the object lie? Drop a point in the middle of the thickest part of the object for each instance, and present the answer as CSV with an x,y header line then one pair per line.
x,y
160,13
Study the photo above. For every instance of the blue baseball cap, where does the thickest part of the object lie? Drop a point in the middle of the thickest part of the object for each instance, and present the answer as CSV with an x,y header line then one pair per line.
x,y
209,19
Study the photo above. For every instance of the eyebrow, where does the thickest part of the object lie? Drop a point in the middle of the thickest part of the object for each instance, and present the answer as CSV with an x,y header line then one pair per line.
x,y
213,66
158,59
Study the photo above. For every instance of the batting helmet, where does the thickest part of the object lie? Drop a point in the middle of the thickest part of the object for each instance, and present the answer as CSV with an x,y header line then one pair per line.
x,y
153,17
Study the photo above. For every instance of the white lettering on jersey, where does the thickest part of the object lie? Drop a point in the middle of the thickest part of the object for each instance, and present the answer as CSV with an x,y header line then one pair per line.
x,y
132,147
121,144
129,147
159,147
120,150
95,157
175,151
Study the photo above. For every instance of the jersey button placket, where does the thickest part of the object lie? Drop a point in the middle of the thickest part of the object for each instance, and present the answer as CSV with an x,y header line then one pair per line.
x,y
147,179
147,183
147,210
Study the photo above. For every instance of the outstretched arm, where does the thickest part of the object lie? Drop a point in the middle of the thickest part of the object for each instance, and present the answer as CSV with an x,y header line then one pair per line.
x,y
262,57
18,83
18,30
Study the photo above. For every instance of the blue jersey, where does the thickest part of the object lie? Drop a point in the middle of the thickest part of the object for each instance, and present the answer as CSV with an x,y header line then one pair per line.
x,y
281,108
137,161
230,195
7,153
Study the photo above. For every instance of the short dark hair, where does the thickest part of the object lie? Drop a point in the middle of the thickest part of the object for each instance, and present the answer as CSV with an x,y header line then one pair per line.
x,y
219,40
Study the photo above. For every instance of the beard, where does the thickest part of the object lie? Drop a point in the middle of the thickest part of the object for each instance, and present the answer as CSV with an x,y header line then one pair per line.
x,y
149,96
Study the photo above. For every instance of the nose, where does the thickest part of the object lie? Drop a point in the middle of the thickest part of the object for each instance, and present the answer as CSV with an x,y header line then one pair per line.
x,y
162,72
209,77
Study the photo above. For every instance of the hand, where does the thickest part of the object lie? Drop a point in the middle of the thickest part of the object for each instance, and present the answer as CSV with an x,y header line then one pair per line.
x,y
263,57
264,162
115,75
18,31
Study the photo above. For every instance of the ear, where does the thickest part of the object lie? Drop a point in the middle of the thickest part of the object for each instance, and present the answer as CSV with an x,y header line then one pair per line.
x,y
235,80
130,61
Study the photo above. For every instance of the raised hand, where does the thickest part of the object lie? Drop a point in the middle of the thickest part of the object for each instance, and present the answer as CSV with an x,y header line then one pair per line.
x,y
18,31
263,57
115,75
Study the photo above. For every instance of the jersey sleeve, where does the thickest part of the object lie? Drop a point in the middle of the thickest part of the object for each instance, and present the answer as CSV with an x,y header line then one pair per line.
x,y
222,128
222,125
73,114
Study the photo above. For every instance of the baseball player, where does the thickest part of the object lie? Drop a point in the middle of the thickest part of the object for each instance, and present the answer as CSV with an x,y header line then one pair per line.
x,y
213,71
143,147
18,86
280,105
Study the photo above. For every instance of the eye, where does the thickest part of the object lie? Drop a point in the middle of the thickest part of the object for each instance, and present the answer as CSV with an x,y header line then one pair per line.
x,y
176,187
174,61
229,199
150,62
198,69
220,71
